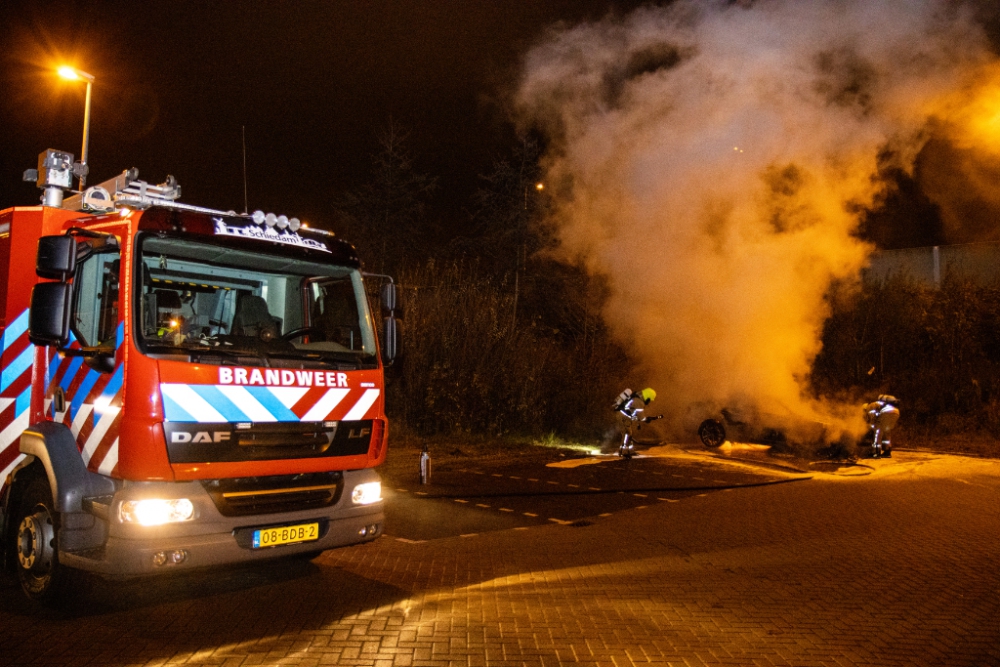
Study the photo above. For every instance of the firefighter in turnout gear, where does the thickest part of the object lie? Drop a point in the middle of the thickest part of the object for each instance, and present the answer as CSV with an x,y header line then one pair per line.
x,y
631,405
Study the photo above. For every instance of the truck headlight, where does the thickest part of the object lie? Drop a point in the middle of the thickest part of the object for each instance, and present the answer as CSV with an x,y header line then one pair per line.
x,y
155,511
367,493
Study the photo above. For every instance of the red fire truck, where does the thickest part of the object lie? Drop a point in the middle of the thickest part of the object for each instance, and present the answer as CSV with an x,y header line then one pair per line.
x,y
181,387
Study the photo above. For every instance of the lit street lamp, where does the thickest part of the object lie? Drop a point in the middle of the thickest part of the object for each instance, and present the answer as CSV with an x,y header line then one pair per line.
x,y
521,249
73,74
538,186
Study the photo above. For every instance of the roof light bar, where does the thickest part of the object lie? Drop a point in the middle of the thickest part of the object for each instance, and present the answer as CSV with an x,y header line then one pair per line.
x,y
279,221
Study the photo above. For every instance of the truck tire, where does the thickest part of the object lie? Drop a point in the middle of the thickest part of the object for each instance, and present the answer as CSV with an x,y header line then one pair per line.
x,y
36,545
712,433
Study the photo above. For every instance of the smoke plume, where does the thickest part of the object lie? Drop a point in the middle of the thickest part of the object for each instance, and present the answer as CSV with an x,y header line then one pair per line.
x,y
711,159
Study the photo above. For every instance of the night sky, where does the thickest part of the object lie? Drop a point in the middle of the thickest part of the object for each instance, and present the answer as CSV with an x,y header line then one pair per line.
x,y
311,82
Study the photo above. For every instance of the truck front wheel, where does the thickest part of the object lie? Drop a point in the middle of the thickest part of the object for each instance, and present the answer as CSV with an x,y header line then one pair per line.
x,y
36,544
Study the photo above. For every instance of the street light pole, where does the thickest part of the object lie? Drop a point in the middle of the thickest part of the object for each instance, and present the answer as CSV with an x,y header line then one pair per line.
x,y
73,74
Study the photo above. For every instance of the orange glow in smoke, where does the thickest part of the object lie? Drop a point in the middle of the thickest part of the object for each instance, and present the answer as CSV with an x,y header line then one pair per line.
x,y
984,118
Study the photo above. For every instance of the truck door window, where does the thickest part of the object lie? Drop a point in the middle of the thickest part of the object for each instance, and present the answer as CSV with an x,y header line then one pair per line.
x,y
334,313
4,264
95,308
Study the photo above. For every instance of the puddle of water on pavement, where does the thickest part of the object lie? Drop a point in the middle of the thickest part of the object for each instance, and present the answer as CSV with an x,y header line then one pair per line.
x,y
903,463
841,469
576,463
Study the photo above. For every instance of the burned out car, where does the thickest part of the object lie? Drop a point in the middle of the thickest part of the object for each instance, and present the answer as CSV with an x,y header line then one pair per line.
x,y
748,424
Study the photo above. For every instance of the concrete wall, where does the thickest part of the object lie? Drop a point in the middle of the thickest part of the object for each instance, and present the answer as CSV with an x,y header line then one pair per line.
x,y
980,261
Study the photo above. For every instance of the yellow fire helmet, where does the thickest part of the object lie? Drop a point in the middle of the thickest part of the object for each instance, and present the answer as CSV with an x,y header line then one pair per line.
x,y
648,395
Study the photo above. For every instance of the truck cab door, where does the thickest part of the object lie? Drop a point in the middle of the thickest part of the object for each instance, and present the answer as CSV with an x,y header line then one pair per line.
x,y
87,308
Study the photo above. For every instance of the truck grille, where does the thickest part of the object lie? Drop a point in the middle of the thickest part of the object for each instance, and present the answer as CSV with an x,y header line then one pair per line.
x,y
248,496
226,442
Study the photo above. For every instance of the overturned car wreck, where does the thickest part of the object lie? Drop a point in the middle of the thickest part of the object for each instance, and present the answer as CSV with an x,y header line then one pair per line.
x,y
744,424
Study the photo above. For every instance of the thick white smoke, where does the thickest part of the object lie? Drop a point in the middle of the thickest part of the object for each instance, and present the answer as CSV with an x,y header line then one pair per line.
x,y
711,159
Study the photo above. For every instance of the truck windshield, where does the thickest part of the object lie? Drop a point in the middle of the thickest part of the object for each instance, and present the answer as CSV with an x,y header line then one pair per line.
x,y
209,299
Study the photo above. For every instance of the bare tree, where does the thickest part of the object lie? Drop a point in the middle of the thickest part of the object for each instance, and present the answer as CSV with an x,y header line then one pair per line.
x,y
386,216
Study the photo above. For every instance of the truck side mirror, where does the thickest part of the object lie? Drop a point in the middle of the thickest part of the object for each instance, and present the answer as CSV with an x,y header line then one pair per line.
x,y
56,258
48,317
390,304
389,344
101,361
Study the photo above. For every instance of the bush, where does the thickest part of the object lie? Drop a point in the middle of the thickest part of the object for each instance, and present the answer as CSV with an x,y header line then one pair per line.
x,y
471,364
937,349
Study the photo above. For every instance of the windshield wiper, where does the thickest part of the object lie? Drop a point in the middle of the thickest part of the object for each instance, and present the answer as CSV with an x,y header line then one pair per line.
x,y
153,346
196,349
337,359
259,352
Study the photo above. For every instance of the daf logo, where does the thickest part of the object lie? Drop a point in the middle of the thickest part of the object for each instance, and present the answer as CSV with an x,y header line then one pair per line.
x,y
200,436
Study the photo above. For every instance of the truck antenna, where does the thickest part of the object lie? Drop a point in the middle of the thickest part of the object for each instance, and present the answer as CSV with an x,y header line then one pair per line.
x,y
245,206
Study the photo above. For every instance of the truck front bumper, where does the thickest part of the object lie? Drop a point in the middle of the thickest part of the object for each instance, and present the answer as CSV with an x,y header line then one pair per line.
x,y
211,539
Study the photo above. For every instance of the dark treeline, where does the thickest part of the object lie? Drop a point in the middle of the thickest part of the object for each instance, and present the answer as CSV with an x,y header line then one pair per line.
x,y
498,339
937,349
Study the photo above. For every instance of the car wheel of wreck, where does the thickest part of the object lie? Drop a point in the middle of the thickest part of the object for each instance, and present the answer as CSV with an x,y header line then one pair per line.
x,y
712,433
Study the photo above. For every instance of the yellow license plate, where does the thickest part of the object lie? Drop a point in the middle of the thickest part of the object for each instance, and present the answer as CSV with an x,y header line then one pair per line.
x,y
272,537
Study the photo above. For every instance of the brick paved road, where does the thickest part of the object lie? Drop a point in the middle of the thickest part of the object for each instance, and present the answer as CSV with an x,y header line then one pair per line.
x,y
485,495
900,567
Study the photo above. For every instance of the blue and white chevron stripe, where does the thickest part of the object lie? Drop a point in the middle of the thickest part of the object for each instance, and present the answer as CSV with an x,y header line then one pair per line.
x,y
228,403
13,371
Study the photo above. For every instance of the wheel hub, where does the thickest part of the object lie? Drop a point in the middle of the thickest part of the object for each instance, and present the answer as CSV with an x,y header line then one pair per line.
x,y
34,541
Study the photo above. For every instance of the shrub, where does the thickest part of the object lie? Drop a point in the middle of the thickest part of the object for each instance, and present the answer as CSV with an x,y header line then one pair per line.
x,y
937,349
472,365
